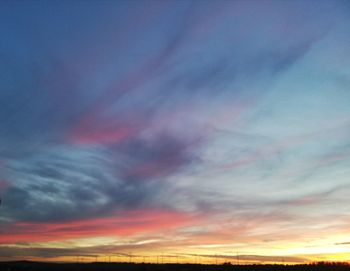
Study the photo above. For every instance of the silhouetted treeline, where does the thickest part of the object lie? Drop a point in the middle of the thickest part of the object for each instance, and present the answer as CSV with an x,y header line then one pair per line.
x,y
37,266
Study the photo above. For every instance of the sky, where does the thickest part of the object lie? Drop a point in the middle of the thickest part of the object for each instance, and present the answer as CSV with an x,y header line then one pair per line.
x,y
187,131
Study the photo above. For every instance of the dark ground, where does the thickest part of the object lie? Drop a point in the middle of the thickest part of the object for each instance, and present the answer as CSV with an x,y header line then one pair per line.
x,y
36,266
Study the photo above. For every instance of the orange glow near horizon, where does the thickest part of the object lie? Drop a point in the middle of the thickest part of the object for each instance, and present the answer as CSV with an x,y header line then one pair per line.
x,y
161,235
181,258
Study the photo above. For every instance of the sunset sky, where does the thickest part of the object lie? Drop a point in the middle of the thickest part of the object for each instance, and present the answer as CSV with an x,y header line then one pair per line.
x,y
175,131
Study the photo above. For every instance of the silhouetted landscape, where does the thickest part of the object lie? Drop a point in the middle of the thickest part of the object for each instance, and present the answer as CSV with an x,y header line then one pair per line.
x,y
40,266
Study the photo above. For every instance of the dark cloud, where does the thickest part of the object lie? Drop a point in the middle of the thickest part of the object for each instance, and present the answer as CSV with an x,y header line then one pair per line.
x,y
156,157
91,251
73,194
252,258
343,243
77,183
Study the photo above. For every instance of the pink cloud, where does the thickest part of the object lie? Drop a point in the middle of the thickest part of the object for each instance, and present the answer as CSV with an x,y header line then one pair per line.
x,y
94,129
120,224
3,185
104,136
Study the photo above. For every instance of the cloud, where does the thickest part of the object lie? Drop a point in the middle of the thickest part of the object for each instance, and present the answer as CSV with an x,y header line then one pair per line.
x,y
234,110
65,183
68,185
123,223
